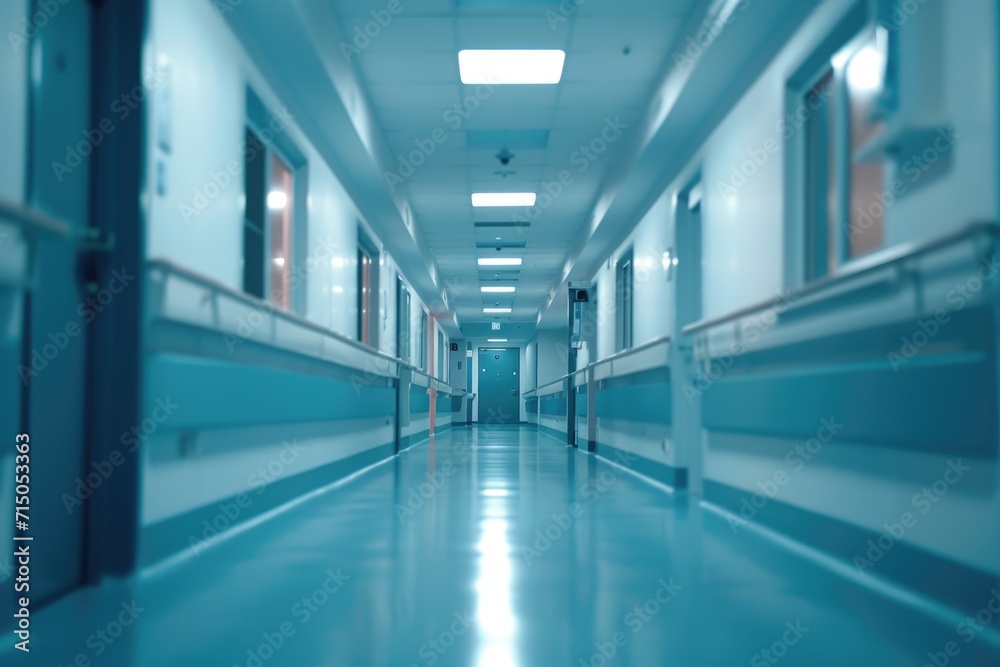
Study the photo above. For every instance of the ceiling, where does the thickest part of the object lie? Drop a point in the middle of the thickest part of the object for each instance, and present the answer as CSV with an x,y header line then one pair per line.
x,y
362,113
616,53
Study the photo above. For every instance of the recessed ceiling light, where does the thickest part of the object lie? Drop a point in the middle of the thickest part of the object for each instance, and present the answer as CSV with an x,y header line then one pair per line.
x,y
496,340
501,67
500,261
497,289
496,311
483,199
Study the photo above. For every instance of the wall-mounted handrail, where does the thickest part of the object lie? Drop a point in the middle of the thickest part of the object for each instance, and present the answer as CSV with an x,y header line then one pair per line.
x,y
629,352
893,257
617,356
33,222
169,267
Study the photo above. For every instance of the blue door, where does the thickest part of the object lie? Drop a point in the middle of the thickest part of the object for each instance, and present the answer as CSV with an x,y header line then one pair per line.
x,y
499,386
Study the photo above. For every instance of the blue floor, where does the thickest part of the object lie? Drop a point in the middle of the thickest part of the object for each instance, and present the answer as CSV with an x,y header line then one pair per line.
x,y
498,547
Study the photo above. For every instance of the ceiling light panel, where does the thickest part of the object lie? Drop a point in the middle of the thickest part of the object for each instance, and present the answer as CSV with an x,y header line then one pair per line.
x,y
503,67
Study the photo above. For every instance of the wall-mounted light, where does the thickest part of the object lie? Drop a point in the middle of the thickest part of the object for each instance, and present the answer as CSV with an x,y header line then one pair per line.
x,y
277,200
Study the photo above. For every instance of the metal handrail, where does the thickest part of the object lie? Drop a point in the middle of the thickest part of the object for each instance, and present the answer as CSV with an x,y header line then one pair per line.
x,y
630,351
33,222
170,267
894,257
659,340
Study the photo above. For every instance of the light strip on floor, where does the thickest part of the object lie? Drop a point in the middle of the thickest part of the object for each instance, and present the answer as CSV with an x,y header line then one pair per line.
x,y
511,66
493,199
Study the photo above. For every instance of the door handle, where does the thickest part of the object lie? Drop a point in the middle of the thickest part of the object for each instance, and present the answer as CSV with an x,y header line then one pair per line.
x,y
514,392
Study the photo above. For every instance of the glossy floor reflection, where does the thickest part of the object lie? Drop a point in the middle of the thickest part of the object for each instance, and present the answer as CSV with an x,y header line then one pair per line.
x,y
493,547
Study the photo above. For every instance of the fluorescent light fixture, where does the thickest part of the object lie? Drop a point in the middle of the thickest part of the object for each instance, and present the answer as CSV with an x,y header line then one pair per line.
x,y
483,199
277,200
519,66
500,261
496,340
497,289
496,311
280,261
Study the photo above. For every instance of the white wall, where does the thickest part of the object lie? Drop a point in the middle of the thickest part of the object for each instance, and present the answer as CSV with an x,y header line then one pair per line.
x,y
744,258
205,110
969,192
552,355
653,306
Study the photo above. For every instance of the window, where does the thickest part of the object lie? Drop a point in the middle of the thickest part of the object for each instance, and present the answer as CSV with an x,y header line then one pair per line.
x,y
866,227
280,198
403,322
368,306
842,190
624,286
254,226
267,225
276,186
822,211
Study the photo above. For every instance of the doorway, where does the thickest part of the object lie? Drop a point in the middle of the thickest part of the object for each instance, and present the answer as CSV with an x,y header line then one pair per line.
x,y
684,370
499,386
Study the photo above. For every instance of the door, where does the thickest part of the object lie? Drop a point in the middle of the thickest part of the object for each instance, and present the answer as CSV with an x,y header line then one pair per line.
x,y
57,312
499,386
687,276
